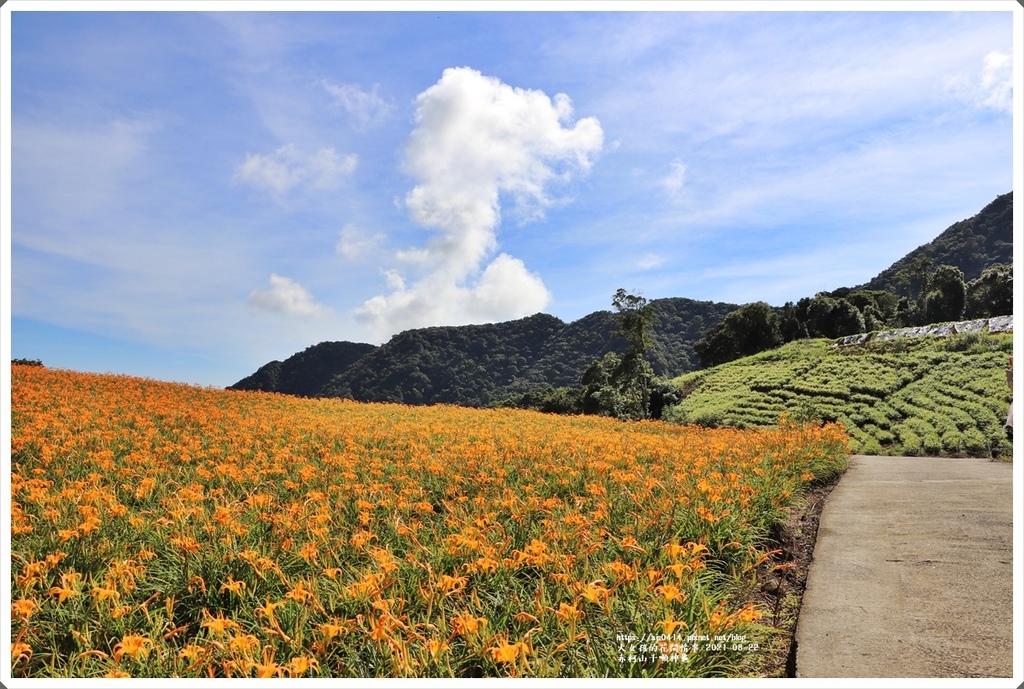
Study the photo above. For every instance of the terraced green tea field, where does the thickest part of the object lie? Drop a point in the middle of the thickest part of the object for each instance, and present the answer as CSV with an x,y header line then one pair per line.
x,y
943,396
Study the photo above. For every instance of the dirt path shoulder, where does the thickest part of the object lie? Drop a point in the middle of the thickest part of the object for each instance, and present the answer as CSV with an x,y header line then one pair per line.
x,y
912,573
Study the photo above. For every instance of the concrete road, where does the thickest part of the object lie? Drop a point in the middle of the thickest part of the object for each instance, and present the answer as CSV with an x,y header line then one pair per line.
x,y
912,573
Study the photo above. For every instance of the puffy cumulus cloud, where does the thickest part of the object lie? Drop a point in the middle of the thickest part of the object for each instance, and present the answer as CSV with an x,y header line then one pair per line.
x,y
289,167
354,244
366,107
993,88
287,298
505,289
477,143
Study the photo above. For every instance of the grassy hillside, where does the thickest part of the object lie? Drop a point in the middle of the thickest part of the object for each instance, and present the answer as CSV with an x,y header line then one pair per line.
x,y
911,396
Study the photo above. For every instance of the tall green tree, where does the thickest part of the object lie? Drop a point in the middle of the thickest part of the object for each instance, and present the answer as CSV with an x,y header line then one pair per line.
x,y
791,326
599,390
636,319
991,294
634,374
946,295
832,317
750,329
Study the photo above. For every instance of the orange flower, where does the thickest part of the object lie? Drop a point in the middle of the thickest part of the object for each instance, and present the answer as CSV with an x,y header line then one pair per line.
x,y
748,613
369,585
300,594
310,552
268,668
192,652
568,612
620,570
449,584
596,593
630,543
268,609
300,665
23,608
670,625
671,593
20,650
435,647
482,565
218,624
101,593
382,628
244,644
504,652
63,592
329,630
465,624
235,587
134,646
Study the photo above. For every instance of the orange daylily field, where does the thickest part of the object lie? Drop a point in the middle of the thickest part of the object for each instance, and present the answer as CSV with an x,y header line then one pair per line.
x,y
166,530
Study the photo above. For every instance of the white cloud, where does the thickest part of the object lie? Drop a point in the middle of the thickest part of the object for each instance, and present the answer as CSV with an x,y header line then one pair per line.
x,y
367,107
289,167
650,261
505,289
478,141
992,88
997,82
287,298
355,244
673,182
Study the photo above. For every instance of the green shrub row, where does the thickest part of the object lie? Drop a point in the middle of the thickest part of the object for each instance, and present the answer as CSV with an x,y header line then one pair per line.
x,y
930,396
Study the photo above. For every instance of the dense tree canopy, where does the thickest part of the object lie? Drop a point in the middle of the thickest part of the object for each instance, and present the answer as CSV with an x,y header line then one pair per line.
x,y
991,294
543,362
750,329
946,295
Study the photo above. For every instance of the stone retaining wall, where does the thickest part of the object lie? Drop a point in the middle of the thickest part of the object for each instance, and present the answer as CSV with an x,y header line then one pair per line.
x,y
993,325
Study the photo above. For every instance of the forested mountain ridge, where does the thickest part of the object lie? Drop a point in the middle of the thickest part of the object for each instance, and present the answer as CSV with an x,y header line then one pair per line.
x,y
462,364
478,365
305,373
982,241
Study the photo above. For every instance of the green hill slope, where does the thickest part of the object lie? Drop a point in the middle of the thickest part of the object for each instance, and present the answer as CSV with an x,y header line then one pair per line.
x,y
475,365
943,396
464,364
305,373
972,245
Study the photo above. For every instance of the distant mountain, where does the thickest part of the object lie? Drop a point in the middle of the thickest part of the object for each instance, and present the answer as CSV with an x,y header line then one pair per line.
x,y
972,245
305,374
477,365
464,364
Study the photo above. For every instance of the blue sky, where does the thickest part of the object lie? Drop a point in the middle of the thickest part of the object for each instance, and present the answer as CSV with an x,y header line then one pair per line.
x,y
196,193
